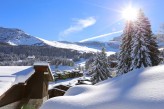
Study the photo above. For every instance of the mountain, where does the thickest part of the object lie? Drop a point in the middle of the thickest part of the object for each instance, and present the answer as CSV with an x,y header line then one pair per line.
x,y
14,36
71,46
109,46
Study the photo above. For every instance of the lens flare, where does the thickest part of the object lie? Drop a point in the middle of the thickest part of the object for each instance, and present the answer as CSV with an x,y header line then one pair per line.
x,y
129,13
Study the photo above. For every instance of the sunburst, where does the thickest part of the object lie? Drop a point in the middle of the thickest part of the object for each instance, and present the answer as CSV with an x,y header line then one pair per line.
x,y
129,13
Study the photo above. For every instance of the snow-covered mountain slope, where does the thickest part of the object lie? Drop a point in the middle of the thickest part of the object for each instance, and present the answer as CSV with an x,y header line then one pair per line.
x,y
110,45
68,46
17,37
160,39
139,89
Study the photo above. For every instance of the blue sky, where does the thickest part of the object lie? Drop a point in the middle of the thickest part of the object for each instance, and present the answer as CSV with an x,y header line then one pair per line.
x,y
74,20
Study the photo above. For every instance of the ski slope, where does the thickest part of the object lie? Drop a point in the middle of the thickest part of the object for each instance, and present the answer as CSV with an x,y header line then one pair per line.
x,y
139,89
68,46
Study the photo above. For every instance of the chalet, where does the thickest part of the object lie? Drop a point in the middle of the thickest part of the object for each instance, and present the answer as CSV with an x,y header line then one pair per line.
x,y
31,57
77,73
22,86
58,90
67,74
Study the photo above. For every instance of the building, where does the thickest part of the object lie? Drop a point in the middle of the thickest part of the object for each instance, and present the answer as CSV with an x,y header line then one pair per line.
x,y
24,86
31,57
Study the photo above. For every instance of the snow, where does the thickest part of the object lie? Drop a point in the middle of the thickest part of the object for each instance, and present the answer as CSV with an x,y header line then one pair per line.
x,y
65,82
82,48
110,53
63,68
41,64
69,81
109,46
161,48
10,75
69,68
138,89
14,36
24,41
11,43
68,46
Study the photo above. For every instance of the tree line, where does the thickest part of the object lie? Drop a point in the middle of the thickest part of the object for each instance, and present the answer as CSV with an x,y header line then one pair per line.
x,y
18,55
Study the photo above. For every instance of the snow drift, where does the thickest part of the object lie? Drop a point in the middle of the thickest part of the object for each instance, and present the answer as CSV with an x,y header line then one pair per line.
x,y
139,89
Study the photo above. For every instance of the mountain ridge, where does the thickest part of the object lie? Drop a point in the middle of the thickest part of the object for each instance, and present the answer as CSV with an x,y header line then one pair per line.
x,y
14,36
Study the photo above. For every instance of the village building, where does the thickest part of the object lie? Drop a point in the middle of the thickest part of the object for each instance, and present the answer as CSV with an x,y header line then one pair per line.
x,y
31,57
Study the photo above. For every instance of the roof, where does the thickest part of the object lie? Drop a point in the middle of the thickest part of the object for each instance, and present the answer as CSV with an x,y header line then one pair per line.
x,y
41,63
11,75
38,65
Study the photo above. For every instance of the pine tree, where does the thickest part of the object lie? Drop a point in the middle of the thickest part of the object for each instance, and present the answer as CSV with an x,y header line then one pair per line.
x,y
139,47
143,44
154,52
153,47
124,58
100,68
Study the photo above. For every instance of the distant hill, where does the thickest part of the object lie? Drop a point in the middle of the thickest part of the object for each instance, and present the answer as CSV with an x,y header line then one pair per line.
x,y
14,36
160,40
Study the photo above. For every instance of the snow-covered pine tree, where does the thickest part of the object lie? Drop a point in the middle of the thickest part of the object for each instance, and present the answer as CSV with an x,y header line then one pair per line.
x,y
142,49
154,52
124,57
153,47
100,69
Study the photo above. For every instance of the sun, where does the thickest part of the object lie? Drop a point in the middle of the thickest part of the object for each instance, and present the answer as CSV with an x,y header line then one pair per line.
x,y
129,13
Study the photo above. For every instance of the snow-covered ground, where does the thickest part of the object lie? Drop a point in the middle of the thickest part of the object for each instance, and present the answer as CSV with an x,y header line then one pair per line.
x,y
10,75
139,89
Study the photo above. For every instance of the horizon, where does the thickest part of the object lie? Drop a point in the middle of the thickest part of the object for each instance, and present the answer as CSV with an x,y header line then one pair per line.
x,y
74,21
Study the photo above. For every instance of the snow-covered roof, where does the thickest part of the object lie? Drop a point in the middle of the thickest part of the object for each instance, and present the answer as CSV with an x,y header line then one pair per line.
x,y
76,70
58,72
31,57
65,82
10,75
41,63
139,89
